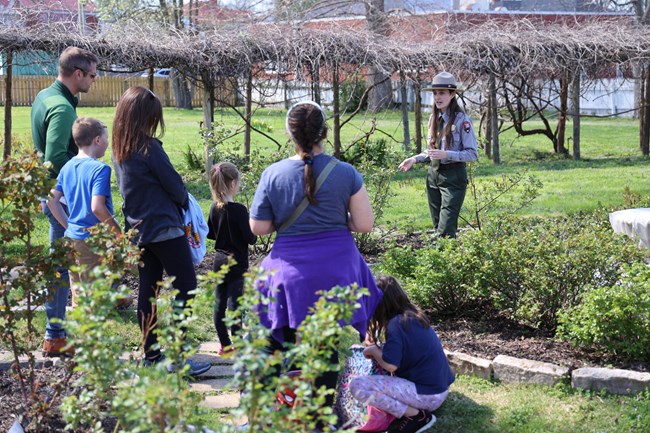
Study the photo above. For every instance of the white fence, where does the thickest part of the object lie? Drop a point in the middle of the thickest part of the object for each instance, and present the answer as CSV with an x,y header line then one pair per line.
x,y
601,97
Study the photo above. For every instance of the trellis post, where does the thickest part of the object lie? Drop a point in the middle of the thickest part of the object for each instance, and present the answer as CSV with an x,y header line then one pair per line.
x,y
248,114
644,122
336,106
405,111
417,111
494,119
8,105
208,110
575,108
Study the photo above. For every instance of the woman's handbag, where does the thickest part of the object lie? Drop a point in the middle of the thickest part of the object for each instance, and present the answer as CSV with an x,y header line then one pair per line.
x,y
351,412
196,230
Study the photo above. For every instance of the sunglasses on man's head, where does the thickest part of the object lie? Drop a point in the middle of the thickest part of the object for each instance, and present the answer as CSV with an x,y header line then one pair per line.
x,y
86,72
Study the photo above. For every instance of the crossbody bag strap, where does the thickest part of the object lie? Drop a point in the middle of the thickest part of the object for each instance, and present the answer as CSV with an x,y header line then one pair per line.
x,y
305,202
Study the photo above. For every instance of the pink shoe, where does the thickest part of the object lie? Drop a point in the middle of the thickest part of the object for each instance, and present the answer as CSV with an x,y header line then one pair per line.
x,y
226,351
378,420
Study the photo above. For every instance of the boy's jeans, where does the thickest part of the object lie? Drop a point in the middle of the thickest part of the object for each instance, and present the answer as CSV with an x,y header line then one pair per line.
x,y
59,291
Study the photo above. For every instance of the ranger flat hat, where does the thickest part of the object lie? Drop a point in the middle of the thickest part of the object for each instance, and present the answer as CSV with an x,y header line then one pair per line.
x,y
442,81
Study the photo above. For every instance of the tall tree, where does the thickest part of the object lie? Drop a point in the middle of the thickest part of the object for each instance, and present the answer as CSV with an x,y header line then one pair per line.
x,y
381,94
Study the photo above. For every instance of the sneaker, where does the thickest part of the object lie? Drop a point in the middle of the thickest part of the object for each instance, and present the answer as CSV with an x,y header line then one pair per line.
x,y
195,368
417,424
56,347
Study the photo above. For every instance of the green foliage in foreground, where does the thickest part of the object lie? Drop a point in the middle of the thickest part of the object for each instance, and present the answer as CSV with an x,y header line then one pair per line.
x,y
23,278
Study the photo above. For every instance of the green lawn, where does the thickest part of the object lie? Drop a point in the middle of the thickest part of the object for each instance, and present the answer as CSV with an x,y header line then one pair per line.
x,y
477,405
611,159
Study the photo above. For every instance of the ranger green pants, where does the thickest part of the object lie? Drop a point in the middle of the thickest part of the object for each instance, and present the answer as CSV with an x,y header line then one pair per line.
x,y
446,189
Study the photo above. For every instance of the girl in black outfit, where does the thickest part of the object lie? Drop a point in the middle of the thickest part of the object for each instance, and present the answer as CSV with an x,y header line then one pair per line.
x,y
228,226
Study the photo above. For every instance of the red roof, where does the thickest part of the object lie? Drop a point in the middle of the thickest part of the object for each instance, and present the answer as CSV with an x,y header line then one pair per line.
x,y
63,5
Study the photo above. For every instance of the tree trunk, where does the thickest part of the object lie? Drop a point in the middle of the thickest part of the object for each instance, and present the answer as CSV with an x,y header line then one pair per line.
x,y
645,133
405,111
181,91
494,120
380,96
417,112
315,82
336,107
575,108
8,105
561,122
248,114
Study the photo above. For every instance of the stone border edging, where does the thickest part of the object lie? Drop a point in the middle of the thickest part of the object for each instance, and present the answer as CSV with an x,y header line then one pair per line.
x,y
517,370
503,368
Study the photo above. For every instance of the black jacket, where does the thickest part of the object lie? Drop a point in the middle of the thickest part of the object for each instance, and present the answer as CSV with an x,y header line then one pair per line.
x,y
153,192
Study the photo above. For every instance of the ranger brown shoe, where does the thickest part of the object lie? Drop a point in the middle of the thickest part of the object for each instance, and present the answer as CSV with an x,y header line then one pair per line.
x,y
124,303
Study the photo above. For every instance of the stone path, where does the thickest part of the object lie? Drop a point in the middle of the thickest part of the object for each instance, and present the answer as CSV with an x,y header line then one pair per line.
x,y
213,384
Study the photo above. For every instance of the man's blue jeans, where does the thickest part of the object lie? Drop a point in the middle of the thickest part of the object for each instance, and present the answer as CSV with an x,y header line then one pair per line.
x,y
59,291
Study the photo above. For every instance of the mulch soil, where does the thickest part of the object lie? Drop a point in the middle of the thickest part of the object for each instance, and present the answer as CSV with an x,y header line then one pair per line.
x,y
478,336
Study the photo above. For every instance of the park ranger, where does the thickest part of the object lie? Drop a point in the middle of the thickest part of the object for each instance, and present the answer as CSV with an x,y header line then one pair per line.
x,y
452,144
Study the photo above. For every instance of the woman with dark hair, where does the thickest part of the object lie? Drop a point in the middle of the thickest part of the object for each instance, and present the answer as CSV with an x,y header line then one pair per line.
x,y
452,143
313,201
154,197
404,344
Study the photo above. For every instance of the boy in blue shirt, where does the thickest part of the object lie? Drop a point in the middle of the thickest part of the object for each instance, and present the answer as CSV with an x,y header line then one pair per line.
x,y
84,183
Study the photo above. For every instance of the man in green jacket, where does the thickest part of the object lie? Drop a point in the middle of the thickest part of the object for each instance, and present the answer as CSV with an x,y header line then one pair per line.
x,y
53,114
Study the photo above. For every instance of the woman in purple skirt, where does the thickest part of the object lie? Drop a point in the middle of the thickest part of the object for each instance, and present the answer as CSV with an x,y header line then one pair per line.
x,y
314,249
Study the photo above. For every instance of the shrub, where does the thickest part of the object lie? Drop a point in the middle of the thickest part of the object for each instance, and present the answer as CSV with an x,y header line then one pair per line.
x,y
614,319
25,270
377,152
438,277
528,269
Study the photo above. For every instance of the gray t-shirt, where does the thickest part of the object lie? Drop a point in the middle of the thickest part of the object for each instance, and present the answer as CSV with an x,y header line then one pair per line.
x,y
282,188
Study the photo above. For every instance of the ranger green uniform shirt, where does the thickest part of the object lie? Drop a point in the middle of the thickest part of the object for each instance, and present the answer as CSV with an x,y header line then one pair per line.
x,y
53,114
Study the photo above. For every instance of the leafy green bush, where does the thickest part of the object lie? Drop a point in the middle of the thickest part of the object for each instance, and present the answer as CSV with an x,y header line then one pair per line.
x,y
320,333
439,277
25,271
378,152
527,269
614,319
547,264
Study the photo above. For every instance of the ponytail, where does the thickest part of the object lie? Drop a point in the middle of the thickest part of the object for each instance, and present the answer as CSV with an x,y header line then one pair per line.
x,y
221,177
306,126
